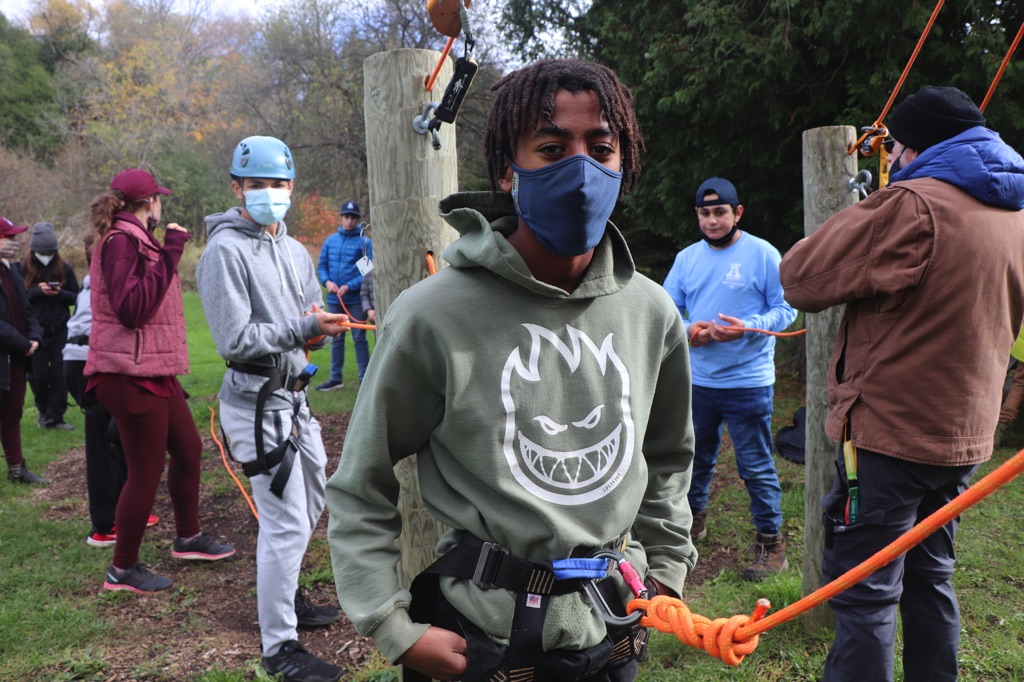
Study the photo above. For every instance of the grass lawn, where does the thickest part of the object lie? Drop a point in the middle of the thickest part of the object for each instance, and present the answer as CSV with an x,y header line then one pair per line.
x,y
53,617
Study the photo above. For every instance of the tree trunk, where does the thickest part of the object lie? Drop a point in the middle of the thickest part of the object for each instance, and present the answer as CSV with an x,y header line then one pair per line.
x,y
407,178
828,169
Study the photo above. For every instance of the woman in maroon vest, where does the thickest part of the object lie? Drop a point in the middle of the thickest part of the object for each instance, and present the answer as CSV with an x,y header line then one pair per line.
x,y
137,348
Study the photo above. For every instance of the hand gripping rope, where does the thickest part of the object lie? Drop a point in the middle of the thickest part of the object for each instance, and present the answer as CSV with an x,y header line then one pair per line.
x,y
767,332
731,639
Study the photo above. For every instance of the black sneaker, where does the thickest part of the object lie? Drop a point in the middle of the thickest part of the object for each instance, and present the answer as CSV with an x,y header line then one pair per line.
x,y
309,615
60,426
331,385
295,664
19,473
137,579
200,548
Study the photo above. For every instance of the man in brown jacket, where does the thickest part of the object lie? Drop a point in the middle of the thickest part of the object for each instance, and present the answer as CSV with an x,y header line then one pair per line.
x,y
931,273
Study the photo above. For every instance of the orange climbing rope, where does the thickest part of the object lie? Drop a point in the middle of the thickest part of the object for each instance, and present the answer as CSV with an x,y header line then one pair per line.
x,y
224,458
798,332
429,82
1002,67
730,639
899,84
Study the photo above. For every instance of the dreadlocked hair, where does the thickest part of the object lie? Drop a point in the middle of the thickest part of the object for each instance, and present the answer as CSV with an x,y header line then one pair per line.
x,y
529,93
103,208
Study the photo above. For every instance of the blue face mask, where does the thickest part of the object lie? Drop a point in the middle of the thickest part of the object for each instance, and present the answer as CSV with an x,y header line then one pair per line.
x,y
567,204
268,205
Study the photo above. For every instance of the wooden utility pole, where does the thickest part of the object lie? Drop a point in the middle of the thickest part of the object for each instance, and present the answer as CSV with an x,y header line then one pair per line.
x,y
407,177
828,169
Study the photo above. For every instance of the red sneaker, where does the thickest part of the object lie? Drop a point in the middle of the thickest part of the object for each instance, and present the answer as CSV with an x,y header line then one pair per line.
x,y
97,539
150,522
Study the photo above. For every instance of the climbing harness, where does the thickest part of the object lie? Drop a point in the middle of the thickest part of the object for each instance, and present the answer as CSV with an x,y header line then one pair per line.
x,y
489,565
284,453
731,639
450,23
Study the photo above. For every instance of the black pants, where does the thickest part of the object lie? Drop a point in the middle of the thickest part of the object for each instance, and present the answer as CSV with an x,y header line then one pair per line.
x,y
105,467
48,385
485,659
894,496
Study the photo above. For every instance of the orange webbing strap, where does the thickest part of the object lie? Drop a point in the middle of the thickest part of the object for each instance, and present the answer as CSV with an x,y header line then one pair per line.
x,y
224,458
899,84
1002,67
731,642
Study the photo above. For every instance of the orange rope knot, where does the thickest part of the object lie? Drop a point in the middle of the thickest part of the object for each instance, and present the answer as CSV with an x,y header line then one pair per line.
x,y
717,637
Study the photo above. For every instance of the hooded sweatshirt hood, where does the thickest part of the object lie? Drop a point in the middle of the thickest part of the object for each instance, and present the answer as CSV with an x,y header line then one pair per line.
x,y
978,162
485,219
256,289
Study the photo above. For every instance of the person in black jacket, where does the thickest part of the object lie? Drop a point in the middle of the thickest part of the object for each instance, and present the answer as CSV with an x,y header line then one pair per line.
x,y
20,335
52,290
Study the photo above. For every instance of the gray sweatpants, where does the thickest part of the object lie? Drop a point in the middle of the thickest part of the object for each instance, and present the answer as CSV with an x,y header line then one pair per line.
x,y
287,523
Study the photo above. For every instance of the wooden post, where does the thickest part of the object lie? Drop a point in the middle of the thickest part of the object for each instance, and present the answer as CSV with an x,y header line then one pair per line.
x,y
828,169
407,177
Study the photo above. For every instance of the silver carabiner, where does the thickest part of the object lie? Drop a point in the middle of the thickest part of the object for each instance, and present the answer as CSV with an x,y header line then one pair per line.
x,y
597,599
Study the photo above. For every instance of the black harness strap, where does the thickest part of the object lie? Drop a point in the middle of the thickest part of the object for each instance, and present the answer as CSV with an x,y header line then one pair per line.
x,y
284,453
488,565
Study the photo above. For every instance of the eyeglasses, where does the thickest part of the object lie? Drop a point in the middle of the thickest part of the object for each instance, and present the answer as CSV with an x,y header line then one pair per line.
x,y
888,143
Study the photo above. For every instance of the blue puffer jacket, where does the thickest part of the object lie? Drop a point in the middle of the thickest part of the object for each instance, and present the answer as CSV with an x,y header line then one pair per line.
x,y
337,264
978,162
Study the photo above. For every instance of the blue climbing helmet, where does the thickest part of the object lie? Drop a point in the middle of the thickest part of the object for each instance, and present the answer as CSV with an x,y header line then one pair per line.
x,y
262,157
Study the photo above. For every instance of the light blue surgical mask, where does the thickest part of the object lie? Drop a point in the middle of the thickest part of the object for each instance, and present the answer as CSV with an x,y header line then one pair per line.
x,y
268,205
45,259
567,204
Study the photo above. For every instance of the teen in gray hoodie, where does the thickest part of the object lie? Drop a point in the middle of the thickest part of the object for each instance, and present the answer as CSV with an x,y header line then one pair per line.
x,y
263,304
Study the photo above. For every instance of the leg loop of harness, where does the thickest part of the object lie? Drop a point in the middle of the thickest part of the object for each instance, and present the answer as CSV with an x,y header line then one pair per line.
x,y
284,453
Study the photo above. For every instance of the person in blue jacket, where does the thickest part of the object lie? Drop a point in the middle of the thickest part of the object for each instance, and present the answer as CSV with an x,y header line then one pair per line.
x,y
343,260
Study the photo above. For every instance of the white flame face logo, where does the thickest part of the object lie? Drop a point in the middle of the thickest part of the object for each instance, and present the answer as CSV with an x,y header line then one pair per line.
x,y
559,446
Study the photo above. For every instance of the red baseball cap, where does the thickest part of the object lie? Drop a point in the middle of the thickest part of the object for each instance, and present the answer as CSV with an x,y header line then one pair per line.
x,y
136,184
9,229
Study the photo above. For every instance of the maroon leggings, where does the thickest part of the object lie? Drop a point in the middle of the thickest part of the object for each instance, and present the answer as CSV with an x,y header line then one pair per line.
x,y
150,427
12,405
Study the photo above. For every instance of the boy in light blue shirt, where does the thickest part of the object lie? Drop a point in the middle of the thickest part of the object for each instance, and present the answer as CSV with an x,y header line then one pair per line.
x,y
722,285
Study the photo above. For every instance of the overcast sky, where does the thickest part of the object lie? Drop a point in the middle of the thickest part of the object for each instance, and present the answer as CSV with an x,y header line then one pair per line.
x,y
16,11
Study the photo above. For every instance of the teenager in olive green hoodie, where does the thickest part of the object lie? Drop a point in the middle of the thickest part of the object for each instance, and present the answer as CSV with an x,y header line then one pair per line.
x,y
544,385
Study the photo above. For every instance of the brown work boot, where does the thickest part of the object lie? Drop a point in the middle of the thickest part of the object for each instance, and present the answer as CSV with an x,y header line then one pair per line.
x,y
769,557
698,529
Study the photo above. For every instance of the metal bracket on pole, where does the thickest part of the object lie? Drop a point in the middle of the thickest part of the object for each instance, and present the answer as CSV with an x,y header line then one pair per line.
x,y
423,124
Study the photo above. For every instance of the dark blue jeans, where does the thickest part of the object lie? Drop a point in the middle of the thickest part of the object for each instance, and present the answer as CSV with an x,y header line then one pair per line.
x,y
748,412
894,496
362,346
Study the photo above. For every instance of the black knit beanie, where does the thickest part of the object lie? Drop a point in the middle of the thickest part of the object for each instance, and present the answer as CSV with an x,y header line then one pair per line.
x,y
932,115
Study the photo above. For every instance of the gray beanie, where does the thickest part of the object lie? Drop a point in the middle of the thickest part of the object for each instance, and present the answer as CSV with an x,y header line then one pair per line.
x,y
44,238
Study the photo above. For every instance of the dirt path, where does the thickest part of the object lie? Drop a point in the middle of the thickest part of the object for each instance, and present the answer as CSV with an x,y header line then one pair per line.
x,y
208,620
